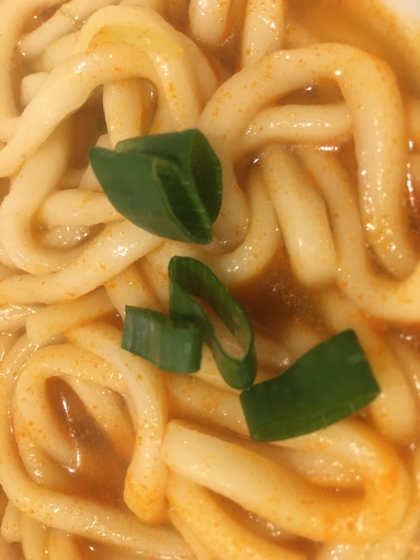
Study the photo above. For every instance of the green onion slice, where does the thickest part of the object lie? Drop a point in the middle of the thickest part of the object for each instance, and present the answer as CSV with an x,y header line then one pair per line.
x,y
168,184
330,382
170,343
189,278
191,150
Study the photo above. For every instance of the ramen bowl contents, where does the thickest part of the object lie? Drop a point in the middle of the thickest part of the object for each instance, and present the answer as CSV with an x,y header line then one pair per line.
x,y
252,167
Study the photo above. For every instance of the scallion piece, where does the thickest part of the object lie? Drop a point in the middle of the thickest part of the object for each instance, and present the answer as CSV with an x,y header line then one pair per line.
x,y
189,278
191,150
168,184
170,343
330,382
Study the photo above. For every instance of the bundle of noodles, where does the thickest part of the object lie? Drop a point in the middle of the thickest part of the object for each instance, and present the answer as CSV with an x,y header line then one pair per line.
x,y
102,454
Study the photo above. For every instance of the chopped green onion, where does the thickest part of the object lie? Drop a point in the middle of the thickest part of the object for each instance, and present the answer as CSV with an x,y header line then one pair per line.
x,y
170,343
189,278
168,184
173,342
191,150
330,382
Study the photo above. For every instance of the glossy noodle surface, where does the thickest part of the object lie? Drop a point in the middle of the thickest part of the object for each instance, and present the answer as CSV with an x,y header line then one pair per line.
x,y
313,109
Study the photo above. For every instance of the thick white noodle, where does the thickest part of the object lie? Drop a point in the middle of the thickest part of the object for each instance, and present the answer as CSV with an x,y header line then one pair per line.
x,y
130,288
280,496
208,20
123,104
145,482
219,532
379,134
302,217
81,74
13,18
34,537
59,317
17,211
77,207
301,124
63,22
263,29
61,546
376,294
117,247
10,525
163,46
70,513
394,412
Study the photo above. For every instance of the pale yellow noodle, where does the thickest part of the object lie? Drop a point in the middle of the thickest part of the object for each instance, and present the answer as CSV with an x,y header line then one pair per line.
x,y
298,35
117,247
300,338
130,288
409,359
30,86
39,464
399,33
272,354
104,406
32,400
322,470
208,20
378,129
58,52
65,237
59,317
224,536
376,294
413,117
123,102
17,210
395,546
206,402
263,29
34,538
77,207
281,497
302,124
82,73
10,526
262,239
73,514
72,177
302,217
146,478
13,317
65,20
162,45
414,168
395,411
199,549
89,181
199,402
61,546
13,18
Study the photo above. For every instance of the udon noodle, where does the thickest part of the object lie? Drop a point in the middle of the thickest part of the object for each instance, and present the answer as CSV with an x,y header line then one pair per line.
x,y
313,109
